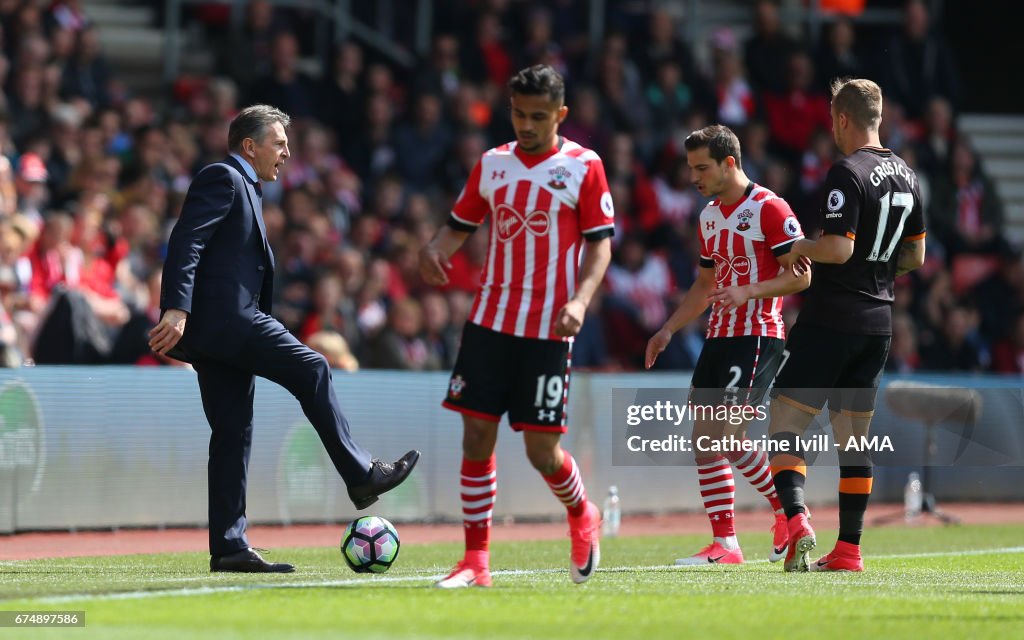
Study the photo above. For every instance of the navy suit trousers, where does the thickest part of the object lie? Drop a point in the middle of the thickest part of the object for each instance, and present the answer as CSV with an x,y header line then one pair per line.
x,y
227,388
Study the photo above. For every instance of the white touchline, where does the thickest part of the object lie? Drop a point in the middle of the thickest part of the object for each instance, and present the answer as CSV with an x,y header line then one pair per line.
x,y
425,578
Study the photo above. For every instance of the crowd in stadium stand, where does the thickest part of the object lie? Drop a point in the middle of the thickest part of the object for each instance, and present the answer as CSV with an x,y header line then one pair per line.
x,y
92,176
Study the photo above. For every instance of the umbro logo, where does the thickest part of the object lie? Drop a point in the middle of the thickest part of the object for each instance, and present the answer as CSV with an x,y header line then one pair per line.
x,y
710,225
497,175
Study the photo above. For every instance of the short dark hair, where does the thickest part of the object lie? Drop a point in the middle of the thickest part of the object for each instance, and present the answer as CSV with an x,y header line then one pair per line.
x,y
253,122
539,80
720,141
860,99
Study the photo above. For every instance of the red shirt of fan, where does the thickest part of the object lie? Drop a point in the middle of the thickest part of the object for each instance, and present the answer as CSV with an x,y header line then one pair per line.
x,y
742,242
543,208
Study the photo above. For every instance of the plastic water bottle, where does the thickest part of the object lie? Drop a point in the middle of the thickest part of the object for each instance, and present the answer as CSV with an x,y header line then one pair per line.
x,y
612,513
913,499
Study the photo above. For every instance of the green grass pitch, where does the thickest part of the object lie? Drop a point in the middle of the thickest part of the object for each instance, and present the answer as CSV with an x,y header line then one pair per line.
x,y
957,582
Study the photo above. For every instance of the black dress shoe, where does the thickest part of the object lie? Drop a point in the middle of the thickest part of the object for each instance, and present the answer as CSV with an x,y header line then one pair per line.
x,y
383,477
248,561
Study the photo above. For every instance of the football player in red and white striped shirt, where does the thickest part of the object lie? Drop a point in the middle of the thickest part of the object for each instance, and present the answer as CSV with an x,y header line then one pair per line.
x,y
743,231
547,198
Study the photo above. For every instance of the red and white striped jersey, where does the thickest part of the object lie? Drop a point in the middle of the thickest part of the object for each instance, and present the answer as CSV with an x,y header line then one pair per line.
x,y
741,242
542,208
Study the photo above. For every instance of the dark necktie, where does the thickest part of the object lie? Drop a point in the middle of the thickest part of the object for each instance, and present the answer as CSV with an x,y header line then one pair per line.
x,y
259,188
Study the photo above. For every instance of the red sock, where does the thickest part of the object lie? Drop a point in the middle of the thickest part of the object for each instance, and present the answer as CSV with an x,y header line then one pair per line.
x,y
479,486
753,465
567,486
718,491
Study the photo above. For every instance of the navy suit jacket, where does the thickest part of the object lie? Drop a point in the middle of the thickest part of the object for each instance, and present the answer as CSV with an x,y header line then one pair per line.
x,y
219,267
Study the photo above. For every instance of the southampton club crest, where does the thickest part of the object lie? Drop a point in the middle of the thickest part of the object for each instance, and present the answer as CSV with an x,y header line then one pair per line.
x,y
744,218
455,387
559,175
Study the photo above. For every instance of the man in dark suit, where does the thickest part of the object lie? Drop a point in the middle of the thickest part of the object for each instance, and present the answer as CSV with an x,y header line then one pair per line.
x,y
217,287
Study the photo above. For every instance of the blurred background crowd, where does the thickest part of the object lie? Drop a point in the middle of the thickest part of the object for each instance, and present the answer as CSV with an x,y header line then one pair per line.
x,y
92,174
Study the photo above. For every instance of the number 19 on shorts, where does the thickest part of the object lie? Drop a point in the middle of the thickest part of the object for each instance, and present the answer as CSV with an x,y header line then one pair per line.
x,y
549,391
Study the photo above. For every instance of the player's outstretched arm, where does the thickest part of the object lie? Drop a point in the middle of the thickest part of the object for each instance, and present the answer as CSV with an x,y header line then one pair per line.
x,y
828,249
694,302
434,264
791,280
596,257
911,256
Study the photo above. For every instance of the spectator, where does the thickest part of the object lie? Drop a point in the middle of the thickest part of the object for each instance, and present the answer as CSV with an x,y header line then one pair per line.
x,y
638,286
330,309
490,59
441,336
894,131
677,200
374,154
755,137
1008,353
933,150
333,346
814,167
401,344
735,99
26,106
585,123
837,56
662,43
421,145
8,190
17,235
442,74
956,347
246,53
670,96
903,356
590,347
918,64
538,45
471,110
69,14
285,87
967,213
30,185
796,113
623,167
468,148
339,95
621,87
86,74
767,52
1001,295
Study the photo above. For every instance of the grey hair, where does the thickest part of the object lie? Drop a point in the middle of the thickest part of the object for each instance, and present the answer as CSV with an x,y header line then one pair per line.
x,y
253,122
